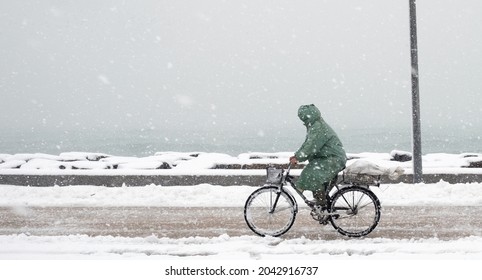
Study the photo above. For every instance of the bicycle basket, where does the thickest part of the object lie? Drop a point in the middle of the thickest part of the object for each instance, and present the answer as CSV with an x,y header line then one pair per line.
x,y
274,175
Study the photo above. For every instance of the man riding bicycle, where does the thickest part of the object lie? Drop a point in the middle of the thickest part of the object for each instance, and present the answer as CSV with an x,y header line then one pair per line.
x,y
324,152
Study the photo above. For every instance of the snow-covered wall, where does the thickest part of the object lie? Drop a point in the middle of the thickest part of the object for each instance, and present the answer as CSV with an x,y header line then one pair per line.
x,y
197,160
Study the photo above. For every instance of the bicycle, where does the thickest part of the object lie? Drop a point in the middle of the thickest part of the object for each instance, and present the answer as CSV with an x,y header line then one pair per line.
x,y
353,209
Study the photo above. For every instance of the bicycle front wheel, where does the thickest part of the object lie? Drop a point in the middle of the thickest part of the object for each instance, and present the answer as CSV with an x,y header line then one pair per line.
x,y
270,212
355,211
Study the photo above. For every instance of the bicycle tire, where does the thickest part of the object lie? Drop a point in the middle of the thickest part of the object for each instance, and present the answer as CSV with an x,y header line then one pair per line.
x,y
257,211
355,211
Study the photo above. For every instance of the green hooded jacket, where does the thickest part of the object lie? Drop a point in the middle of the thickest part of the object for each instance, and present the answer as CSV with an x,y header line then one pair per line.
x,y
322,148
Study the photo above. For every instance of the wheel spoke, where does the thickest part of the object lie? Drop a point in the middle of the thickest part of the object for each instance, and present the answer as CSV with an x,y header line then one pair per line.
x,y
281,209
365,205
355,206
353,201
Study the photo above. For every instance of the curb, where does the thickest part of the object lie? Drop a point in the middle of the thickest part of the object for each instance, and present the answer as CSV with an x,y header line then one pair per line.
x,y
189,180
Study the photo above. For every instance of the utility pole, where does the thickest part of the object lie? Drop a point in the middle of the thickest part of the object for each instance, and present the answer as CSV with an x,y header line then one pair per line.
x,y
416,127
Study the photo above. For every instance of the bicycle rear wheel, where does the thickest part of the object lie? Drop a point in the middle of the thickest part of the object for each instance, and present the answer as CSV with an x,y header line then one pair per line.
x,y
264,219
355,211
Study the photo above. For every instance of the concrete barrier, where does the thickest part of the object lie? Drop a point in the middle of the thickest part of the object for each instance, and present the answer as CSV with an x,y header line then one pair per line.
x,y
187,180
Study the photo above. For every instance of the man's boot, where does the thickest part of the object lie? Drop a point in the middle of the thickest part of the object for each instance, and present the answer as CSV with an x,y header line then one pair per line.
x,y
320,205
320,198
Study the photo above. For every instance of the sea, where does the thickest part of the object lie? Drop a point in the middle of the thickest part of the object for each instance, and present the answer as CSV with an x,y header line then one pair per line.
x,y
147,142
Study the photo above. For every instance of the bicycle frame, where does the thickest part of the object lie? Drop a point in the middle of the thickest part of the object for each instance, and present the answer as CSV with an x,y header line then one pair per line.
x,y
287,178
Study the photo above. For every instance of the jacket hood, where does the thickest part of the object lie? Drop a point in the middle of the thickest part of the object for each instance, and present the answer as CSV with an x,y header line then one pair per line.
x,y
309,114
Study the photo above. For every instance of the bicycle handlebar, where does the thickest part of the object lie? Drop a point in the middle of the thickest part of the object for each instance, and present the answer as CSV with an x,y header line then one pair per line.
x,y
288,170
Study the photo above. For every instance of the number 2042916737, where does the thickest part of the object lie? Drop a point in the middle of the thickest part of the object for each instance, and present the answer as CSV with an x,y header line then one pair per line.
x,y
284,270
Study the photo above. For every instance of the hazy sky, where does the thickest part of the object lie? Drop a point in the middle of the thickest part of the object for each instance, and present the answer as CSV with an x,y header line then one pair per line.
x,y
108,64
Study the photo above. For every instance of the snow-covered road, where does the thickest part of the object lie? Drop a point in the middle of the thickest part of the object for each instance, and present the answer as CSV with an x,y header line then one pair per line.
x,y
397,222
454,231
225,247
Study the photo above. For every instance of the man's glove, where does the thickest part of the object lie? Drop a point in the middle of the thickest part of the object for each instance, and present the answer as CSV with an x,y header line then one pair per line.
x,y
293,160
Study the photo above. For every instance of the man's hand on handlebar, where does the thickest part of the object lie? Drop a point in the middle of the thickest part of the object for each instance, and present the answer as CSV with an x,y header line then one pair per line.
x,y
293,160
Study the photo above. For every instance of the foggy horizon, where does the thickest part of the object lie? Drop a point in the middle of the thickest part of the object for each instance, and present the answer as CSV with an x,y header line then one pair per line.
x,y
221,66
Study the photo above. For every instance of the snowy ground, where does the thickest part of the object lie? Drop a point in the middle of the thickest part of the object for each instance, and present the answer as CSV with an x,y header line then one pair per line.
x,y
225,247
234,248
205,195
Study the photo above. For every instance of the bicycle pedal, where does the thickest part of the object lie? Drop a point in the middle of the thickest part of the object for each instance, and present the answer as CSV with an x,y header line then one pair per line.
x,y
323,219
316,216
319,217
